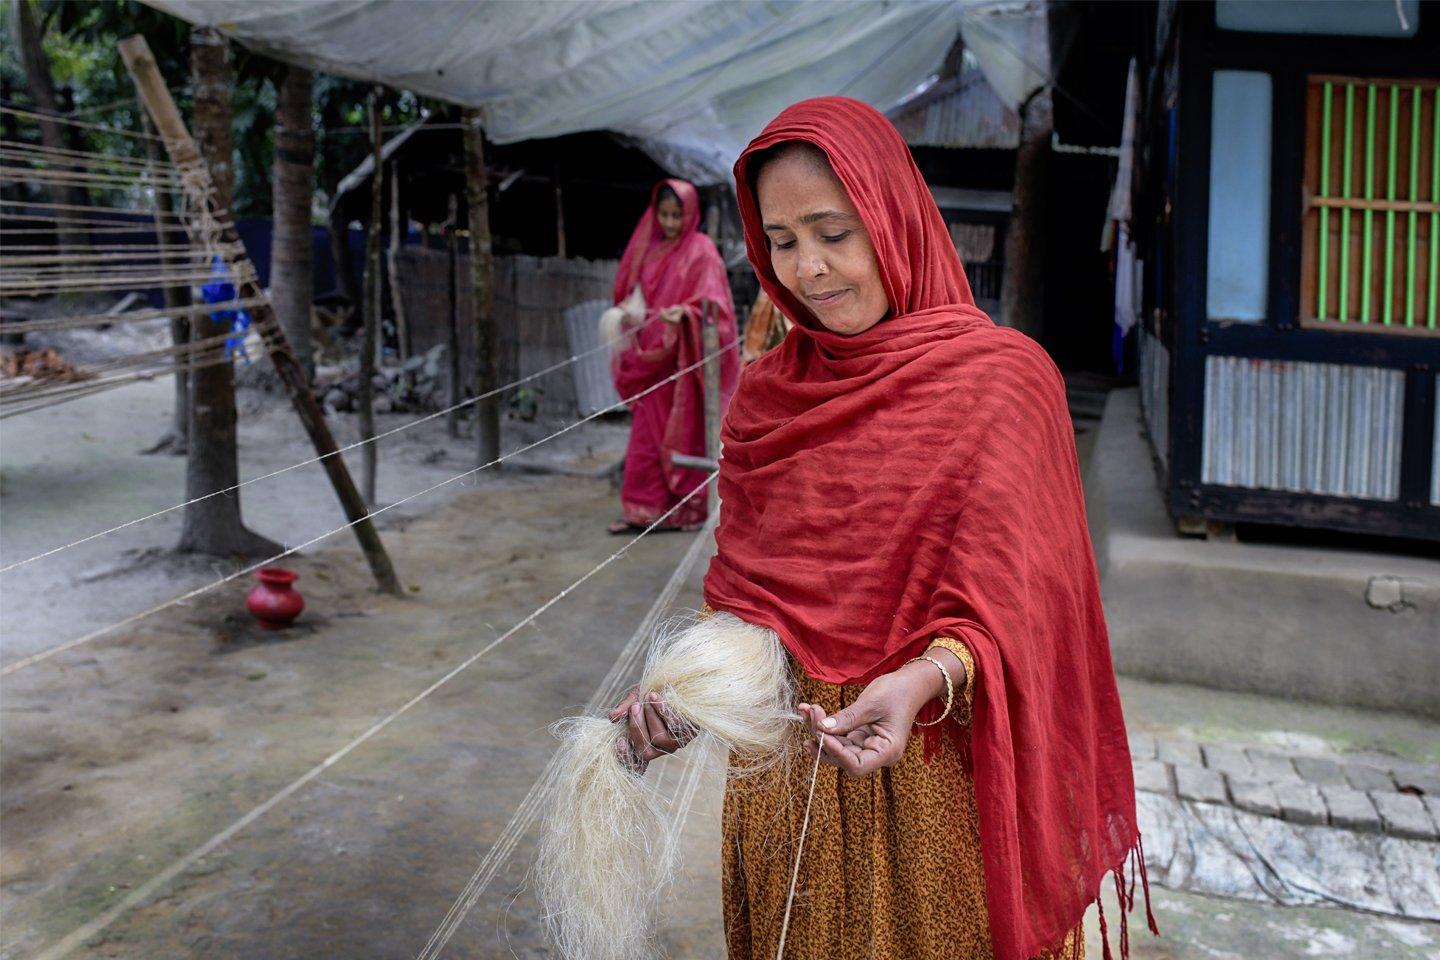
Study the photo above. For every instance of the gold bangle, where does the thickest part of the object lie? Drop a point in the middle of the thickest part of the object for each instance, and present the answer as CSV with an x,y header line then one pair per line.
x,y
967,660
949,689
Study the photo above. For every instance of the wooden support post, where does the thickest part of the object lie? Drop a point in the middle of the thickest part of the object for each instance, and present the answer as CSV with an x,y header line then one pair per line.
x,y
392,265
371,316
186,155
452,342
687,462
559,218
710,338
482,284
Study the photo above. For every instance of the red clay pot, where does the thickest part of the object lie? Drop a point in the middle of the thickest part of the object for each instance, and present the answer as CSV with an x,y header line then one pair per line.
x,y
275,602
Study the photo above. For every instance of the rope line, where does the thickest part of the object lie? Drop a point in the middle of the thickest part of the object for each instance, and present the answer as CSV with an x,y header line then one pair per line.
x,y
115,227
145,179
78,111
527,812
143,892
799,849
60,156
352,446
202,349
114,248
135,618
90,208
103,128
139,258
134,316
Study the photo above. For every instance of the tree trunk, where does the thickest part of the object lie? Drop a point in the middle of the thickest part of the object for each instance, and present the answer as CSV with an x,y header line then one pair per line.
x,y
1022,294
292,284
176,438
482,282
213,526
53,134
373,290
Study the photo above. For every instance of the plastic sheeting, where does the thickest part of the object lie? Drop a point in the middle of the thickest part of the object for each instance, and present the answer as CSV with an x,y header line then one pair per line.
x,y
692,81
1010,39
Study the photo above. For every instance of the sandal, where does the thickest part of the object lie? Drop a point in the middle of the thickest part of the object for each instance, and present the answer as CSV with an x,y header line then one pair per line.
x,y
621,527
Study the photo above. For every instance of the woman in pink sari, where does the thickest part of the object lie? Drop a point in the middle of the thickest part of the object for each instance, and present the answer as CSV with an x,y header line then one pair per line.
x,y
678,271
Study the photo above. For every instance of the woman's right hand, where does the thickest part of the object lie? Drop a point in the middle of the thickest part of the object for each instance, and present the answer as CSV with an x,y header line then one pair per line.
x,y
652,731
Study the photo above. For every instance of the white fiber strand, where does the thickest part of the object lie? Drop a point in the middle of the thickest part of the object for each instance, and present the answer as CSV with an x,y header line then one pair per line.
x,y
607,854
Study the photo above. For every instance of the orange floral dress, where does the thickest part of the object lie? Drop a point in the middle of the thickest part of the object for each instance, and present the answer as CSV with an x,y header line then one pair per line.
x,y
891,867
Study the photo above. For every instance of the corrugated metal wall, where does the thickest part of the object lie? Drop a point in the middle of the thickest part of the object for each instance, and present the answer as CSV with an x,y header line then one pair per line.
x,y
1155,393
594,387
1320,428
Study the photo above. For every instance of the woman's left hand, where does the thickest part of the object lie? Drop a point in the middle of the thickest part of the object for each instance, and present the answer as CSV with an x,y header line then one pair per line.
x,y
872,732
672,314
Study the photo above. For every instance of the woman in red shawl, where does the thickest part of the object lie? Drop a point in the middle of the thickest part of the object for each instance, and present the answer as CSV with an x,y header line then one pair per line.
x,y
902,505
678,272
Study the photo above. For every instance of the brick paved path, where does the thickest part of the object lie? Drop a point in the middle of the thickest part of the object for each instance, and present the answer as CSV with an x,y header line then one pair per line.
x,y
1293,829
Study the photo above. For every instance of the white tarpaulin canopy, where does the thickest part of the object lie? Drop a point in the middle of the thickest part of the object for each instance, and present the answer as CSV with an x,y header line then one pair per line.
x,y
692,81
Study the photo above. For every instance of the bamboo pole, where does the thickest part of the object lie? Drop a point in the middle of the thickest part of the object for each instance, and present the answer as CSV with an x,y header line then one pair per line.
x,y
710,338
371,315
452,341
392,264
482,280
184,152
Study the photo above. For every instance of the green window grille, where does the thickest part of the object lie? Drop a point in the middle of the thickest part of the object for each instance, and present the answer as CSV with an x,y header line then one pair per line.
x,y
1372,205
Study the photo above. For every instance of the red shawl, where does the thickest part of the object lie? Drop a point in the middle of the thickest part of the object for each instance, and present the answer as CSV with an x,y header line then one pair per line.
x,y
687,272
920,479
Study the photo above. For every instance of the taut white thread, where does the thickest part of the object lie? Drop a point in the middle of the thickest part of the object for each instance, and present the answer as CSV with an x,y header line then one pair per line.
x,y
23,662
141,893
800,848
305,463
529,808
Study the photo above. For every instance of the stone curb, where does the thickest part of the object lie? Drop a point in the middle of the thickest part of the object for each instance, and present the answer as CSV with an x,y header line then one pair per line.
x,y
1348,795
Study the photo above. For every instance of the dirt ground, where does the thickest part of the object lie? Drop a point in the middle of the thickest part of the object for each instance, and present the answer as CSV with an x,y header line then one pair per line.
x,y
123,757
72,470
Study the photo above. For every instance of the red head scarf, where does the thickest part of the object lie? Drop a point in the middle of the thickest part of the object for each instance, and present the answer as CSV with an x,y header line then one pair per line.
x,y
650,259
920,479
684,272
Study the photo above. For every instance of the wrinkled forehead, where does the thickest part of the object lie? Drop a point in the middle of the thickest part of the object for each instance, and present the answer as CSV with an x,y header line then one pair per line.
x,y
799,185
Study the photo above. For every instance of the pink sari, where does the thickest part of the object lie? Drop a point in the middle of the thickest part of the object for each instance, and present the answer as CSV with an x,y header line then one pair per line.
x,y
685,272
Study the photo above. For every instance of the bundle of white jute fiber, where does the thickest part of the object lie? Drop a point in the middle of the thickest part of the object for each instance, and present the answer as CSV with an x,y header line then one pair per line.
x,y
611,326
622,319
606,854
